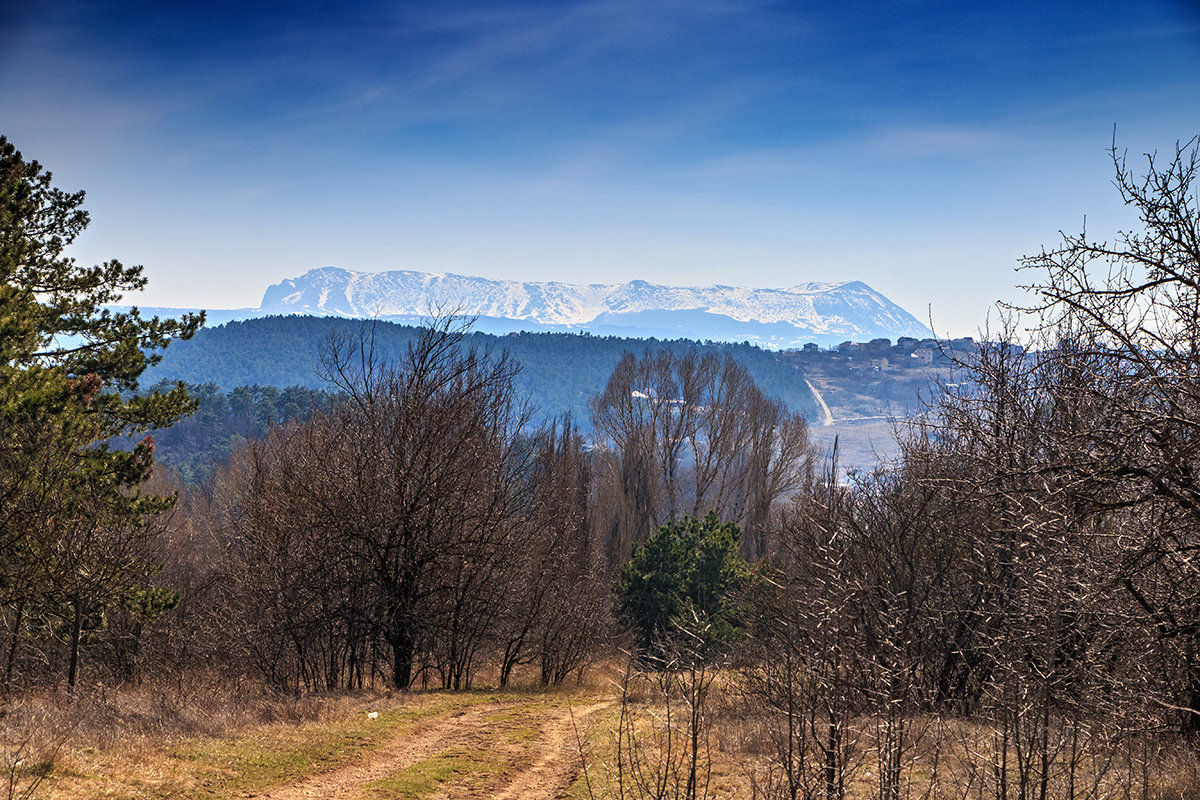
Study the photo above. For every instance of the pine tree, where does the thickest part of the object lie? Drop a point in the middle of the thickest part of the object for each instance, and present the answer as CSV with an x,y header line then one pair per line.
x,y
677,593
72,516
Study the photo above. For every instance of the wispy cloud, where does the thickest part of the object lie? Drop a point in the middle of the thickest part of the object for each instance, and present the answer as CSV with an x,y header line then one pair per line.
x,y
927,141
664,136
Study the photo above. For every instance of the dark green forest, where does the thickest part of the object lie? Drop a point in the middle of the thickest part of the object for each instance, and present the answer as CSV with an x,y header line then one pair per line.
x,y
198,444
559,371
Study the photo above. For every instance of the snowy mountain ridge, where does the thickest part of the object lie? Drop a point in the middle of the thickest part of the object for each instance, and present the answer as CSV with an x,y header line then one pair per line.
x,y
775,318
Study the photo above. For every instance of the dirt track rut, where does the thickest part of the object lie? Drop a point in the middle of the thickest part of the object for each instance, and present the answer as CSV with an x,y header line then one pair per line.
x,y
531,753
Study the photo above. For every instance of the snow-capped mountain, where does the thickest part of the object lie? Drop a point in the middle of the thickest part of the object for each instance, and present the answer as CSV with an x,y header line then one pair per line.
x,y
825,313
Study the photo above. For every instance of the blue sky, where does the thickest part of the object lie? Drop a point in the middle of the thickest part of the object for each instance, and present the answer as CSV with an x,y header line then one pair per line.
x,y
922,147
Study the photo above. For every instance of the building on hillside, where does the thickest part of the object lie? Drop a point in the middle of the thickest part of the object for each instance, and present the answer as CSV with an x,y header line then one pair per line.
x,y
878,345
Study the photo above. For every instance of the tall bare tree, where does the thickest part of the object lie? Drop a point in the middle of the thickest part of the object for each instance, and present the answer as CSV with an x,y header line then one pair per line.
x,y
1131,309
691,434
424,517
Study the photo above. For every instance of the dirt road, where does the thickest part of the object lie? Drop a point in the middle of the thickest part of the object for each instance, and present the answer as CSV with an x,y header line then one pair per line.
x,y
489,750
828,415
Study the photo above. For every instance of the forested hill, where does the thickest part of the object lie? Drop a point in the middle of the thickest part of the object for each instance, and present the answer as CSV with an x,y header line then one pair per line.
x,y
560,370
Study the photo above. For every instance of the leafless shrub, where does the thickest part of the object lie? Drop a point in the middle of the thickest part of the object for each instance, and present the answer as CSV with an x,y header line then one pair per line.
x,y
31,740
665,729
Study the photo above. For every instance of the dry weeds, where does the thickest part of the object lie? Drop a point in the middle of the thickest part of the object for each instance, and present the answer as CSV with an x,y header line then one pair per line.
x,y
238,742
216,742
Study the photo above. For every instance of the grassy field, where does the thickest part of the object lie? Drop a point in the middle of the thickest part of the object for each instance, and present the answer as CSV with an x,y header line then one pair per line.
x,y
249,759
578,742
401,745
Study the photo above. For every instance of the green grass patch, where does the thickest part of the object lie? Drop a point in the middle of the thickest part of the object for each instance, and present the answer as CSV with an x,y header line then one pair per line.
x,y
467,769
600,753
522,735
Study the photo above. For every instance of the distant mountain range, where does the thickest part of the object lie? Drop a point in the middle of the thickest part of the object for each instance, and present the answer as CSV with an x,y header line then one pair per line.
x,y
825,313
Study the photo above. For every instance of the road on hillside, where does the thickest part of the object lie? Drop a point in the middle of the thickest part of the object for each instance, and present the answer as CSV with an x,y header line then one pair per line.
x,y
821,401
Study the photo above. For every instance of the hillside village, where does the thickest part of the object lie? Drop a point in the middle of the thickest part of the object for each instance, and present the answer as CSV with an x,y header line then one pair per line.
x,y
881,355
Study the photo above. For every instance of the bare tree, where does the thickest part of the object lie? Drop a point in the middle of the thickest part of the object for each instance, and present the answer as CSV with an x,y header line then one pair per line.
x,y
1132,307
559,607
690,434
424,517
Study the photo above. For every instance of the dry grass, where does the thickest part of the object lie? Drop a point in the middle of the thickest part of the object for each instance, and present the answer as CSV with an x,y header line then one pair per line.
x,y
942,758
215,742
723,759
210,739
154,742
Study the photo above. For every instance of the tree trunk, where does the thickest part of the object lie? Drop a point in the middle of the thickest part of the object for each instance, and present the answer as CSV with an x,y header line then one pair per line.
x,y
402,660
12,646
76,631
833,746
